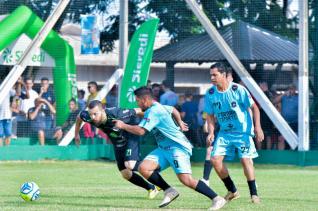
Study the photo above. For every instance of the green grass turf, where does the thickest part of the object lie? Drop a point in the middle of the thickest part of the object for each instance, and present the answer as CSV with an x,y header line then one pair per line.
x,y
97,185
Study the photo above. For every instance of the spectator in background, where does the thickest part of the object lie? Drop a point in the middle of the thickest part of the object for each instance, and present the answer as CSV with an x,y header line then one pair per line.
x,y
189,111
16,114
169,97
28,95
181,100
149,83
201,120
38,117
81,101
71,119
89,130
93,91
5,119
47,93
156,91
112,97
289,110
265,120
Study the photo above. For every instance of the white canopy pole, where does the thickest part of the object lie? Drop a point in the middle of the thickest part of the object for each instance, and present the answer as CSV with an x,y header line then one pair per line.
x,y
19,68
303,80
101,95
261,98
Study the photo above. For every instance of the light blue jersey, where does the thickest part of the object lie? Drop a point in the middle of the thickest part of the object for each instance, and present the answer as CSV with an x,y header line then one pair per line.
x,y
158,119
231,109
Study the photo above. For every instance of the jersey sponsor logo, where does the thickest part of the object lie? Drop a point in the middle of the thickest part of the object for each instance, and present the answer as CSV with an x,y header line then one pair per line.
x,y
234,87
226,116
211,91
233,104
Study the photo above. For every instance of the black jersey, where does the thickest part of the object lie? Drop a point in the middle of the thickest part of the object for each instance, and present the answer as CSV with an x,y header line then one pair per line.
x,y
117,136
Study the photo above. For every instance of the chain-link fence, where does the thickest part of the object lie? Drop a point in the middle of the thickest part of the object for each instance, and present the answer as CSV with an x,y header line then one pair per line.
x,y
262,34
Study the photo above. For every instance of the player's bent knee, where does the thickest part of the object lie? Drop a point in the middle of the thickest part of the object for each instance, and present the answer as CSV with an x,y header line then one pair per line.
x,y
130,164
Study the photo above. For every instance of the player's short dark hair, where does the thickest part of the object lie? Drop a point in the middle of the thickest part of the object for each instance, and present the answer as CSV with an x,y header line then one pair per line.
x,y
143,91
94,103
222,68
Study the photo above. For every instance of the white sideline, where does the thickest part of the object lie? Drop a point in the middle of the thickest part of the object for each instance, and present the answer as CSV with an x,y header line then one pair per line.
x,y
101,94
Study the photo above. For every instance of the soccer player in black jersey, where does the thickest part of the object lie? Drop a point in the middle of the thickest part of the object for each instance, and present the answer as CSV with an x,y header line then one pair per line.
x,y
126,145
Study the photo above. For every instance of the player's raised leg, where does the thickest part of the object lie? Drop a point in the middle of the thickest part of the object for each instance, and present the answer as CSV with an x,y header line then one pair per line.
x,y
138,180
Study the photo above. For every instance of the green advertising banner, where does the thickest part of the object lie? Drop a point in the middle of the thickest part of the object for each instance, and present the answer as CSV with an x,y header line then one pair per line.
x,y
138,62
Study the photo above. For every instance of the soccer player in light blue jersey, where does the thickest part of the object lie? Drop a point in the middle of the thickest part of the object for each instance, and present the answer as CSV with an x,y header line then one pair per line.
x,y
174,149
231,105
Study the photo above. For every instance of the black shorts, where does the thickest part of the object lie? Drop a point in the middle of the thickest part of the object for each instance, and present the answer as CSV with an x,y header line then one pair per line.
x,y
131,151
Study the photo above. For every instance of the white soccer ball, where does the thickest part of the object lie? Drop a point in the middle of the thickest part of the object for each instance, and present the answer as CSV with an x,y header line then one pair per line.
x,y
30,191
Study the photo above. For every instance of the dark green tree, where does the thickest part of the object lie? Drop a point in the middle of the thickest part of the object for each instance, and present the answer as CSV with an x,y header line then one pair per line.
x,y
43,8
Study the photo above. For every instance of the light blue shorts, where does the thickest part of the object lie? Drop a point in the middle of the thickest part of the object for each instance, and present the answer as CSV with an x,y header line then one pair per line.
x,y
173,156
5,128
226,145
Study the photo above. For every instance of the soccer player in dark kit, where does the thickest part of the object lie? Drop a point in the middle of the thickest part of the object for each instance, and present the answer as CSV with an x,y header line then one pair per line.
x,y
126,145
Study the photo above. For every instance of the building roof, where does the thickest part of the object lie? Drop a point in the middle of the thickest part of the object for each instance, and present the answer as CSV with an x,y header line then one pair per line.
x,y
250,43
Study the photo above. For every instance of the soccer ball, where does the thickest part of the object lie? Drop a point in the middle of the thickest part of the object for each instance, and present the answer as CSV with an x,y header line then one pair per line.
x,y
30,191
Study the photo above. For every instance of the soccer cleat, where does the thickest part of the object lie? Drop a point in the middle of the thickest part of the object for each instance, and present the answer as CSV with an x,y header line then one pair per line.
x,y
255,199
152,193
217,203
232,196
170,195
205,181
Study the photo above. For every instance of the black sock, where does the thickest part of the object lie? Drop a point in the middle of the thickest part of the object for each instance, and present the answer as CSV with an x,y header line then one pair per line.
x,y
205,190
207,169
139,181
157,180
229,184
252,187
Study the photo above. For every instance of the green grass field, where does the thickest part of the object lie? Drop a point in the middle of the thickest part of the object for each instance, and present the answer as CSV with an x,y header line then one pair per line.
x,y
97,185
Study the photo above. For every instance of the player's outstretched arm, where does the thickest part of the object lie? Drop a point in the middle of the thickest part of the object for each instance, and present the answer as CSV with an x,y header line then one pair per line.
x,y
78,124
177,117
257,123
134,129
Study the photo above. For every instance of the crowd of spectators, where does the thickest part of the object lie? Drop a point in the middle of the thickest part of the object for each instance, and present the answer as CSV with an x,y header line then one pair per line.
x,y
31,112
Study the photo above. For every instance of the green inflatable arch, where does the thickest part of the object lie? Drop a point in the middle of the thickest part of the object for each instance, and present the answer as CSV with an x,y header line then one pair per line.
x,y
23,20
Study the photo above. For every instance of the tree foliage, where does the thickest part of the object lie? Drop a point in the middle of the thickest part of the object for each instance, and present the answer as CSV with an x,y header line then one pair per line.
x,y
43,8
